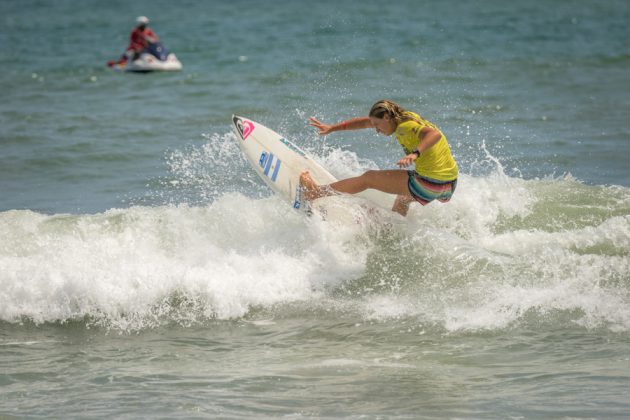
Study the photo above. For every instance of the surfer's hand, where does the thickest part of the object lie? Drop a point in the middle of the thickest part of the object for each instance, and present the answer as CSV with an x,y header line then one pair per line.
x,y
323,128
407,160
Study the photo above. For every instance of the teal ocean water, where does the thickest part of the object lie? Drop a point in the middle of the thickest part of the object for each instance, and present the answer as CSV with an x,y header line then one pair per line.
x,y
146,272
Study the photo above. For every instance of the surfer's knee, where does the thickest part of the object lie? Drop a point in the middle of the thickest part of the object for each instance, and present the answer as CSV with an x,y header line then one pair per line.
x,y
369,177
370,174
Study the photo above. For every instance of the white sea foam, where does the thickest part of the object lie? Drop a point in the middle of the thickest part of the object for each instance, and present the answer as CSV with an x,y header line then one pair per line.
x,y
128,266
500,250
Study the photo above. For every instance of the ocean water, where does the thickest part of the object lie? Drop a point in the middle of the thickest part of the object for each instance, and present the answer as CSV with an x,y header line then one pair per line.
x,y
146,272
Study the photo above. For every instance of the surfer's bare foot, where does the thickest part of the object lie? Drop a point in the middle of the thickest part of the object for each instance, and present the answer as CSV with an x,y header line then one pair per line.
x,y
311,190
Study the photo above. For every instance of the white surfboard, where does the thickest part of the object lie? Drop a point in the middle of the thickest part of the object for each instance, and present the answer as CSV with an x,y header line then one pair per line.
x,y
279,163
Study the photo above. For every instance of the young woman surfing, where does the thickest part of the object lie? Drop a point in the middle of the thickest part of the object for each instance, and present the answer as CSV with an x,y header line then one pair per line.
x,y
435,174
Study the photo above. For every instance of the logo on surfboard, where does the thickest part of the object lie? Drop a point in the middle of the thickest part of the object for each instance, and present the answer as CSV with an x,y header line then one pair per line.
x,y
270,164
292,146
244,127
300,203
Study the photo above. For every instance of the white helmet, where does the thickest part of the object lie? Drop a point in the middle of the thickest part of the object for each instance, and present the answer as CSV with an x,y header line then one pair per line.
x,y
142,20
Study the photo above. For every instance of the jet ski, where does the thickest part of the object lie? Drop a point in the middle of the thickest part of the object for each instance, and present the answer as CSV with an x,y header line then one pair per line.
x,y
154,58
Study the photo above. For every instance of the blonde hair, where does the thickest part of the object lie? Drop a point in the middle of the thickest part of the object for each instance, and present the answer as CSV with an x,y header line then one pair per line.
x,y
397,113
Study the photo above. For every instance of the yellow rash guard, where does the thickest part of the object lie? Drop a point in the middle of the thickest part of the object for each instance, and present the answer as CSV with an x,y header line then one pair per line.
x,y
435,162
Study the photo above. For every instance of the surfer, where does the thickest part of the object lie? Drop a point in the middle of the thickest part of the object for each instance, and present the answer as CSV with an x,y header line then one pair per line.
x,y
435,174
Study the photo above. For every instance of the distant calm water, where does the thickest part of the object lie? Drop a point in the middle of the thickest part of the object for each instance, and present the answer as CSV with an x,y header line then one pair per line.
x,y
146,272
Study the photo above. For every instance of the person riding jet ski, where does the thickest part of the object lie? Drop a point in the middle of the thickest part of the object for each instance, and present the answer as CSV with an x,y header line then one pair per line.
x,y
145,52
140,38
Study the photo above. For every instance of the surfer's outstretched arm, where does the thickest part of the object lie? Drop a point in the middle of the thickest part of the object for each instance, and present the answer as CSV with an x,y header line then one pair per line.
x,y
357,123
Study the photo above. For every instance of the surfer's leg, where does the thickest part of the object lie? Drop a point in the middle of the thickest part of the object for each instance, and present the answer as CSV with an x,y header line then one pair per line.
x,y
389,181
